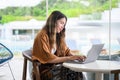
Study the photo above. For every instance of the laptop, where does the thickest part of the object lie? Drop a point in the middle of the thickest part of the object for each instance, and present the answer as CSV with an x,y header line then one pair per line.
x,y
92,54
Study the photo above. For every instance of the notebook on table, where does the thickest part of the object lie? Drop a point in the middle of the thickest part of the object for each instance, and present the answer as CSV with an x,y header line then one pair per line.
x,y
92,54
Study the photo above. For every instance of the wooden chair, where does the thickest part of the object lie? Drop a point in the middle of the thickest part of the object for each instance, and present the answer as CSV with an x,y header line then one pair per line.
x,y
28,57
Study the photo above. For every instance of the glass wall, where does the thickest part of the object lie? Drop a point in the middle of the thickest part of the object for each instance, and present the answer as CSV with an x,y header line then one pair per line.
x,y
95,22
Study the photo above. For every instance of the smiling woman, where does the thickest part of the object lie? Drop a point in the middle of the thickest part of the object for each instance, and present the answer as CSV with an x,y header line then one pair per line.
x,y
50,49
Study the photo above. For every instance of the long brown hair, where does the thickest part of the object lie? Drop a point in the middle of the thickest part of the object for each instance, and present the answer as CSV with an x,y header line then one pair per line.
x,y
50,28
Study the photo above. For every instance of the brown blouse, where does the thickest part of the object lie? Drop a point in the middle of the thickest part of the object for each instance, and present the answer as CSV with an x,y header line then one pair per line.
x,y
41,48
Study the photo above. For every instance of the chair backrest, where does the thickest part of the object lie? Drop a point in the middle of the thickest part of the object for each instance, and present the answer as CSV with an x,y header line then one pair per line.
x,y
27,54
5,54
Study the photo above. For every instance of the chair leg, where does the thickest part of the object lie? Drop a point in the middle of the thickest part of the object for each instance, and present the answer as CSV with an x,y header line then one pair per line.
x,y
24,69
11,71
36,70
116,76
33,75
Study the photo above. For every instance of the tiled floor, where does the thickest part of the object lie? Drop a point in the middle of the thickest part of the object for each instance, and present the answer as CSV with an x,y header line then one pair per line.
x,y
17,68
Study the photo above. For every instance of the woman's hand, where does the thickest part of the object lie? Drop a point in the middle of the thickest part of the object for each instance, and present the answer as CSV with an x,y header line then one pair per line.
x,y
78,57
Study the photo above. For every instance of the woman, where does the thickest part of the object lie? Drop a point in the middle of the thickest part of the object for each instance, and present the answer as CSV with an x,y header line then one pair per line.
x,y
51,50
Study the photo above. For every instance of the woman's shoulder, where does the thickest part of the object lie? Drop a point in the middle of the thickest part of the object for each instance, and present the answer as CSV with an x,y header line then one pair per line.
x,y
42,34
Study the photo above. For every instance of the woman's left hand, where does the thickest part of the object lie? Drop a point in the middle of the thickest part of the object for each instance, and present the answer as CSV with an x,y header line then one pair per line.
x,y
82,57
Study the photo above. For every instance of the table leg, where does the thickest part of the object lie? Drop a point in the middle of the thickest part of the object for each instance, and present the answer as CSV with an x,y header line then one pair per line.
x,y
98,76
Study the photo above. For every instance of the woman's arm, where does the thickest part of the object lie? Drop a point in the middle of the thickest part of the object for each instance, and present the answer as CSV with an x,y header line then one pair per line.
x,y
66,58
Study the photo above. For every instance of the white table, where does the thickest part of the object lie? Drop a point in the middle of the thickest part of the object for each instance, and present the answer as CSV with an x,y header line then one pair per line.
x,y
99,67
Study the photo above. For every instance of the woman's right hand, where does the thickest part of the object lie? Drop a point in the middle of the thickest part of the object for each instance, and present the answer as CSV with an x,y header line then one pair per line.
x,y
78,57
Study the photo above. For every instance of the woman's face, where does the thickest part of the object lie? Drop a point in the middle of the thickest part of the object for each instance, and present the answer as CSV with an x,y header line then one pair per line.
x,y
60,24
